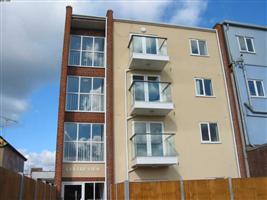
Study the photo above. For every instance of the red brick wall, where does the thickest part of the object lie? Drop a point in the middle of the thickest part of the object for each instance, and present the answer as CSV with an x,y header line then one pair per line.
x,y
233,105
258,161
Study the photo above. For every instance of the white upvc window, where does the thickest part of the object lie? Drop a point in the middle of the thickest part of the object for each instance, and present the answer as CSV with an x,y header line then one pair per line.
x,y
246,44
83,142
87,51
203,87
256,88
209,132
85,94
198,47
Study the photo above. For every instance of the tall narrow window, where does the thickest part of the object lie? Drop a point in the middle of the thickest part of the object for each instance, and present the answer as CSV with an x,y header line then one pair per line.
x,y
86,51
198,47
246,44
83,142
85,94
256,88
203,87
209,132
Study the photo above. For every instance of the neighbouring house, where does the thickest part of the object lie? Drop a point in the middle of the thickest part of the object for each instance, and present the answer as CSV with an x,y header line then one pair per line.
x,y
11,158
244,50
43,175
140,101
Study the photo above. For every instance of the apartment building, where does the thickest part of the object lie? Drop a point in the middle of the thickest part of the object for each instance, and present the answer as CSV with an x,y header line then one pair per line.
x,y
244,49
140,101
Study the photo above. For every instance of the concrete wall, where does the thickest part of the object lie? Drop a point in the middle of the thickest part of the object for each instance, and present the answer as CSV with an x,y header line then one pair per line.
x,y
196,160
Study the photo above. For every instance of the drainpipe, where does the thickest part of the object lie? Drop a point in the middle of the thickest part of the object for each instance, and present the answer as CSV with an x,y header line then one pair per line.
x,y
238,95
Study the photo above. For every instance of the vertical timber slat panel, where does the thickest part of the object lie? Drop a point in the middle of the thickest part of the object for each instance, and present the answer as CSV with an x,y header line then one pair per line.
x,y
9,184
120,191
29,187
206,189
250,188
164,190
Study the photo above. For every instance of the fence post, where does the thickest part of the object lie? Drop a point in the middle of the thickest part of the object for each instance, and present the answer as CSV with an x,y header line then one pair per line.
x,y
232,196
35,190
126,190
182,189
21,187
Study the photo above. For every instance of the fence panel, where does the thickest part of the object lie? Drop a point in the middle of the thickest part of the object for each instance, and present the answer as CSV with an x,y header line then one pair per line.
x,y
53,193
154,190
250,188
120,191
9,184
29,188
207,189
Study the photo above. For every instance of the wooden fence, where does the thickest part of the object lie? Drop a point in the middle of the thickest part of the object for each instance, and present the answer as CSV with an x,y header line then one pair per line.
x,y
15,186
217,189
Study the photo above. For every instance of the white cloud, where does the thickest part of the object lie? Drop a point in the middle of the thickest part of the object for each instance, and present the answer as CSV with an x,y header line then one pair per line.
x,y
32,37
44,159
190,12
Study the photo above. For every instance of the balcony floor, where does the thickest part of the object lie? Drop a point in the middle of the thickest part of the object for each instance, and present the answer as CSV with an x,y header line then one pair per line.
x,y
155,161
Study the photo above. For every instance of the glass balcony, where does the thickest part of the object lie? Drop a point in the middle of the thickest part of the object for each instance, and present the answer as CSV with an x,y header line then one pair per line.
x,y
153,149
151,98
148,52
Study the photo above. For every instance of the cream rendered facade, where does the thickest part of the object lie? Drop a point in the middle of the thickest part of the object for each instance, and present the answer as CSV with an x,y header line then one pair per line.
x,y
196,160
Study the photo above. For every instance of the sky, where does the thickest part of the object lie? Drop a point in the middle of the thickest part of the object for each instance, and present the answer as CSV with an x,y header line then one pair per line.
x,y
31,40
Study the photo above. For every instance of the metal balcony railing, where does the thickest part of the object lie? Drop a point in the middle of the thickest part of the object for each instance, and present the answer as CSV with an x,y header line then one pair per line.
x,y
153,145
148,45
151,91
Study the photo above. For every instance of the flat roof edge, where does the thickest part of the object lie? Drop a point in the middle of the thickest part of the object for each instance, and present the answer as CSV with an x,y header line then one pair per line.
x,y
164,25
89,17
245,25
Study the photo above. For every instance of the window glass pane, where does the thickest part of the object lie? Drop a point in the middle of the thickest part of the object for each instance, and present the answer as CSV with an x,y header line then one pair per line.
x,y
99,59
99,191
137,44
87,59
155,128
75,42
139,93
153,89
151,46
208,87
87,43
72,102
202,47
85,102
204,132
199,84
96,101
70,132
89,191
214,132
140,127
249,44
74,57
73,84
97,132
97,151
84,151
99,44
156,139
194,47
98,84
242,43
252,89
85,85
84,132
260,88
70,149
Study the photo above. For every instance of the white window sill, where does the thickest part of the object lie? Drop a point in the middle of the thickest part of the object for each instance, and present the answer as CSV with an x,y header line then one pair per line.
x,y
101,67
211,142
206,96
85,162
84,111
259,97
198,55
248,52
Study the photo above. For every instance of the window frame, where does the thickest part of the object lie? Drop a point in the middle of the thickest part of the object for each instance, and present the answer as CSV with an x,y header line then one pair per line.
x,y
256,88
252,42
93,51
209,141
79,94
89,142
204,90
198,54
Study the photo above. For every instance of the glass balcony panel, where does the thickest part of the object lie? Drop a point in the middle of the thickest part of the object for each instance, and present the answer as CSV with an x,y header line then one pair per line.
x,y
139,92
153,90
151,45
137,45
